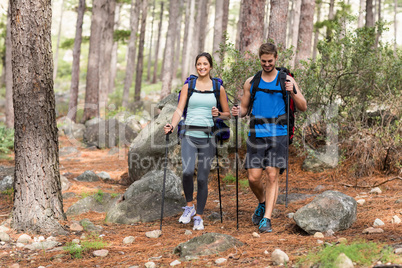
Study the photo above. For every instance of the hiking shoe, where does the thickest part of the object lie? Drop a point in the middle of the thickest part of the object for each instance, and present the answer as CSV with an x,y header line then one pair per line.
x,y
198,223
265,226
187,214
258,214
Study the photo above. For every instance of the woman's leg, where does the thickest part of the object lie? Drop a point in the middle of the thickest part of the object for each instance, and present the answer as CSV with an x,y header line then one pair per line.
x,y
188,155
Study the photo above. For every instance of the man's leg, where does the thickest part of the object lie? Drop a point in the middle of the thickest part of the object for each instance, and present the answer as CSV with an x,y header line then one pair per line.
x,y
271,190
256,184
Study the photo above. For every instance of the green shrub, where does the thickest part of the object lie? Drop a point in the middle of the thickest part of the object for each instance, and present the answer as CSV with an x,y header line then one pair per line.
x,y
6,140
92,242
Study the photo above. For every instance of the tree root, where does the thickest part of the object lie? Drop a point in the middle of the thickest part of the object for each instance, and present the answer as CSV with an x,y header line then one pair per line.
x,y
373,186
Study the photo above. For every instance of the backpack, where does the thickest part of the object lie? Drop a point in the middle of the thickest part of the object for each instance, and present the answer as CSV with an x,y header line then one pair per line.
x,y
220,129
282,120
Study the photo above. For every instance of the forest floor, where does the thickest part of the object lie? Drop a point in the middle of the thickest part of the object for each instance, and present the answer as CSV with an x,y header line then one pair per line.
x,y
285,236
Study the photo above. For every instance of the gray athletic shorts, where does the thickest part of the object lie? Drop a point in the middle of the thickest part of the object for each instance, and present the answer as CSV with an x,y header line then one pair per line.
x,y
268,152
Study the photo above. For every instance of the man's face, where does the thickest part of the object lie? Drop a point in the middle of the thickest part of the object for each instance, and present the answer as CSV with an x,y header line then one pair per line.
x,y
268,62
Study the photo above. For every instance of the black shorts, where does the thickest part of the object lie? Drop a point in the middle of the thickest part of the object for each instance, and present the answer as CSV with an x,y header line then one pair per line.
x,y
268,152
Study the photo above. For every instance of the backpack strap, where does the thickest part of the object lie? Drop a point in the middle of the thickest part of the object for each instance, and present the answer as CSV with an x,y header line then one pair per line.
x,y
217,92
191,88
255,82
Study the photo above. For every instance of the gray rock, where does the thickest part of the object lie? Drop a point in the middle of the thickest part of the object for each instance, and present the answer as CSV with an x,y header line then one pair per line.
x,y
321,159
279,257
88,175
342,261
128,240
220,261
101,253
175,262
92,121
99,202
89,226
68,195
24,239
372,230
153,234
4,237
42,245
147,151
129,119
71,129
293,197
65,183
76,227
6,183
150,264
104,176
206,244
109,133
378,222
329,210
68,150
6,171
142,200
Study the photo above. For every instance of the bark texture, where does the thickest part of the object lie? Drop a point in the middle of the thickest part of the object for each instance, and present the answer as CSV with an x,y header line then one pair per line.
x,y
369,13
305,30
9,76
140,61
75,73
158,40
252,28
278,21
38,201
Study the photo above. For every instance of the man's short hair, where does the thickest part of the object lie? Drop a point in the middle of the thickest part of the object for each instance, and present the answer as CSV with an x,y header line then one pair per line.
x,y
267,48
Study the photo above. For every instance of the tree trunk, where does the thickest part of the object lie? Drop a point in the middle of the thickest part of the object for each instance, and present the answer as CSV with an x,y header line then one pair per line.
x,y
91,108
225,18
369,13
38,203
252,29
378,36
295,30
158,40
239,25
113,63
395,26
331,16
169,49
202,22
106,54
56,55
178,42
9,74
186,39
305,30
277,22
75,73
266,17
150,43
218,29
362,6
140,61
317,31
132,50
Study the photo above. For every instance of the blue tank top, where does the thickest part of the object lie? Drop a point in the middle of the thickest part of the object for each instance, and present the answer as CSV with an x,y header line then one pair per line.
x,y
267,105
199,112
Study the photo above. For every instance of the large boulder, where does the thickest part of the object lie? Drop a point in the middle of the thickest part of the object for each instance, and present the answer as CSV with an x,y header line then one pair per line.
x,y
330,210
142,200
98,202
108,133
321,159
73,130
147,152
206,244
6,178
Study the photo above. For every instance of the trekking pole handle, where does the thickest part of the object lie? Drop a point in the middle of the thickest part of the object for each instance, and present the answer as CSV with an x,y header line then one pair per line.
x,y
236,105
294,88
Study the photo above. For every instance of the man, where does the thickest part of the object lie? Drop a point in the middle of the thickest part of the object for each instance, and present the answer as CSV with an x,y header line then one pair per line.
x,y
267,148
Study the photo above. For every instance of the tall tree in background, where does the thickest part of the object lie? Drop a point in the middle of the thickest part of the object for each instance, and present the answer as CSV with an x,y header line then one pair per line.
x,y
360,21
56,55
331,16
178,42
188,29
369,13
106,54
395,25
218,29
140,61
295,29
75,69
91,108
38,203
225,19
158,40
169,49
278,21
252,28
132,50
113,61
317,29
202,24
9,75
378,36
239,25
150,43
305,30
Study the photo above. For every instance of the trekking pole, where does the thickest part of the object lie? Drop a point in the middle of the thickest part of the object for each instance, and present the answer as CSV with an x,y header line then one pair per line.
x,y
217,169
287,147
164,177
237,172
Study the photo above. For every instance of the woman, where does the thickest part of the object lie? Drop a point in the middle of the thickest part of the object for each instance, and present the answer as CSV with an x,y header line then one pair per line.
x,y
201,109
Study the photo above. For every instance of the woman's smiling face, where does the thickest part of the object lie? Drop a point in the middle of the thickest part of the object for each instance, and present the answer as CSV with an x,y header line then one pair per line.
x,y
203,67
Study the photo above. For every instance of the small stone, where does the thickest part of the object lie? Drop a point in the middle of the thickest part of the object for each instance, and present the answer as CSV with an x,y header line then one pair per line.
x,y
150,264
398,251
266,252
318,235
396,220
342,240
279,257
128,240
372,230
188,232
256,235
20,245
76,227
220,261
154,234
291,215
375,190
174,263
24,238
41,266
329,233
378,222
320,242
361,202
101,253
4,229
83,236
342,261
319,188
190,258
51,238
75,241
2,243
14,265
4,237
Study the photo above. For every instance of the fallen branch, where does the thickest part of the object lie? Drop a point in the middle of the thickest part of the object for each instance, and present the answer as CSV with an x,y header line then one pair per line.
x,y
5,215
375,185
